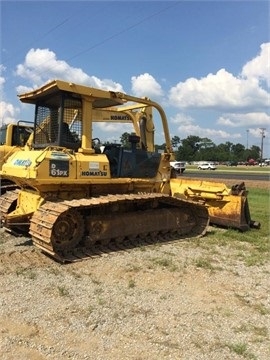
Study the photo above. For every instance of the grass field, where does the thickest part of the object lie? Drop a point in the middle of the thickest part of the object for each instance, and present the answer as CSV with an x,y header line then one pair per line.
x,y
253,245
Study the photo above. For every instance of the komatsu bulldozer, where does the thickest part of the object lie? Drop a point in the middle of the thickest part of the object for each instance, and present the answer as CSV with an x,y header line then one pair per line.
x,y
13,137
76,192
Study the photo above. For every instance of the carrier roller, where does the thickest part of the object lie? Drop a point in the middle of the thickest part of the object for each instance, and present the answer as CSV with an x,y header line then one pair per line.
x,y
68,230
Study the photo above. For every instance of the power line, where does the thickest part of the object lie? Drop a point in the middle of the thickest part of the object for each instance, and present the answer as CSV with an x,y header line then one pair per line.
x,y
109,38
52,29
173,3
44,35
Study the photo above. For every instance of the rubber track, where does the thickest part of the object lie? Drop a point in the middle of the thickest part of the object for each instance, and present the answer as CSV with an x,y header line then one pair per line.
x,y
44,218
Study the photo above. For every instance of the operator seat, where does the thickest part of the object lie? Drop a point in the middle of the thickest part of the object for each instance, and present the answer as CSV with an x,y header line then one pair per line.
x,y
67,138
67,135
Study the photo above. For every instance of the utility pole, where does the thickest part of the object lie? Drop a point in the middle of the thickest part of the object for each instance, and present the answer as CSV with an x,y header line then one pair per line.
x,y
247,137
263,136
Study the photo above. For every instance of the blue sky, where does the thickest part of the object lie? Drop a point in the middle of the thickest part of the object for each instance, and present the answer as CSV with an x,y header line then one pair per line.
x,y
205,62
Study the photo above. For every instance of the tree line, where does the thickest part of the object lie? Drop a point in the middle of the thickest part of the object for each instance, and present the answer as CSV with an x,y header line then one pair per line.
x,y
195,148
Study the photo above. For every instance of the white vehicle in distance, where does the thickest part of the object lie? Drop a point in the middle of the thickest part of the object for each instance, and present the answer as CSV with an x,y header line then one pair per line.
x,y
178,166
207,166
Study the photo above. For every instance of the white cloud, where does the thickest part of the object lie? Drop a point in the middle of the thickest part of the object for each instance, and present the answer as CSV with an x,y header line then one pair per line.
x,y
218,91
2,81
42,65
113,127
222,91
8,113
146,85
21,89
181,118
206,132
244,120
257,133
110,132
259,67
242,101
226,92
187,127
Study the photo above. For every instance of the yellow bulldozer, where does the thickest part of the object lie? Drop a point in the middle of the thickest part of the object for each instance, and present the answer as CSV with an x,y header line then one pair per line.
x,y
76,192
13,137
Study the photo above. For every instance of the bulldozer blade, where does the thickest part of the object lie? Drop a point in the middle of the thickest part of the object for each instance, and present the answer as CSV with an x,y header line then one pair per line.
x,y
227,207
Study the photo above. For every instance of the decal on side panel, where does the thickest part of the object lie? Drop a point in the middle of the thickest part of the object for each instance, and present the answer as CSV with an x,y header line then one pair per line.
x,y
94,173
59,168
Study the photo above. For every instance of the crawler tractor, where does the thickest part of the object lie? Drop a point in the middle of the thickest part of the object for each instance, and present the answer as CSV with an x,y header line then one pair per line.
x,y
76,193
13,137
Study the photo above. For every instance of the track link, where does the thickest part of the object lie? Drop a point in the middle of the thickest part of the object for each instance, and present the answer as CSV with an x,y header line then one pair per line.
x,y
8,202
77,229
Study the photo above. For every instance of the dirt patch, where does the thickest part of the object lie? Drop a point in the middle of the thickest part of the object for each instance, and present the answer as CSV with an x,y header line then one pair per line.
x,y
248,183
181,300
186,299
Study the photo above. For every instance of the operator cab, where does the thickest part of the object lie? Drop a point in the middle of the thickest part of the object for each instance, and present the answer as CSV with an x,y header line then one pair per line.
x,y
63,114
58,122
64,117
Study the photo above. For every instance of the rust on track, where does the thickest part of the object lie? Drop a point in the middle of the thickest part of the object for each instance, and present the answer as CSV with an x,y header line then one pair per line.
x,y
113,221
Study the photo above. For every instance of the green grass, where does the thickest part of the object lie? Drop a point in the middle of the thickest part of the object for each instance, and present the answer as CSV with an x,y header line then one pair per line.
x,y
63,291
242,350
238,348
131,284
251,247
259,204
164,262
27,273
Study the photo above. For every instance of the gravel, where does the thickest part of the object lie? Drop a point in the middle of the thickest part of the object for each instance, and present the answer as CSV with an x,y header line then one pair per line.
x,y
188,300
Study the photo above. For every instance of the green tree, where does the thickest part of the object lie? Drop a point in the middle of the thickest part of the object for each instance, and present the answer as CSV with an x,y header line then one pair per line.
x,y
175,141
124,140
206,143
238,151
253,153
189,148
206,150
195,148
208,153
224,151
160,147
